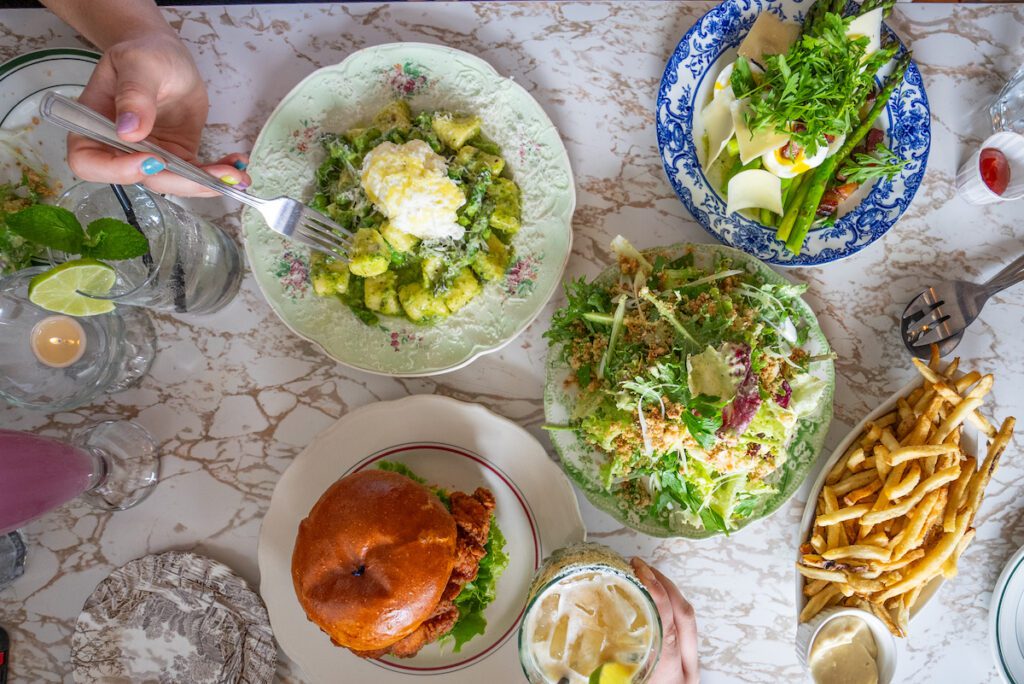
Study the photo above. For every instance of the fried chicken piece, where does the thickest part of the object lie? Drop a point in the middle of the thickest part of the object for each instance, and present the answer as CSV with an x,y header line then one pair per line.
x,y
472,515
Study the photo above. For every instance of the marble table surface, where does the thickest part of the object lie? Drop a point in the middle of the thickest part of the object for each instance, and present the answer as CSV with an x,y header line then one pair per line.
x,y
233,397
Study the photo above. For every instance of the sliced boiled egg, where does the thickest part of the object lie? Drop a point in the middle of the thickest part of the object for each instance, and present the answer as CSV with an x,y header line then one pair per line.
x,y
722,82
867,25
776,161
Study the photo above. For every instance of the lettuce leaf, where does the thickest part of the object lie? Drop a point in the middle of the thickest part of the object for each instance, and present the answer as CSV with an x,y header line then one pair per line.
x,y
478,594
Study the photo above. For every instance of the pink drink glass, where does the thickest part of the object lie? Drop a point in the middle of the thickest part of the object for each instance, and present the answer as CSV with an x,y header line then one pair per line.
x,y
112,465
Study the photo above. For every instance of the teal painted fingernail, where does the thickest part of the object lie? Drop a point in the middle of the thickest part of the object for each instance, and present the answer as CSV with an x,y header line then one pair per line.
x,y
241,165
152,166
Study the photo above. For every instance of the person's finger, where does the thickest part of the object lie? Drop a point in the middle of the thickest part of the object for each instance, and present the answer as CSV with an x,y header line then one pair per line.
x,y
686,627
135,98
101,164
228,174
661,598
237,159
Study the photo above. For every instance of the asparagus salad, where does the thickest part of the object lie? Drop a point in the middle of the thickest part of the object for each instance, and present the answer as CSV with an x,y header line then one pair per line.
x,y
691,378
432,211
789,128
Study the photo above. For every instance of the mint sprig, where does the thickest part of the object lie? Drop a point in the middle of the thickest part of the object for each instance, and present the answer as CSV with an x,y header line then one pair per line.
x,y
113,240
59,229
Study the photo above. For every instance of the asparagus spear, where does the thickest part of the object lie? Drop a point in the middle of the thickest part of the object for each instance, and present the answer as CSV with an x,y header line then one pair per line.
x,y
817,183
796,196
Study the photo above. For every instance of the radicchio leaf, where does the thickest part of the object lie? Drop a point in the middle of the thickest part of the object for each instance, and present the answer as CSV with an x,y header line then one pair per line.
x,y
787,394
736,416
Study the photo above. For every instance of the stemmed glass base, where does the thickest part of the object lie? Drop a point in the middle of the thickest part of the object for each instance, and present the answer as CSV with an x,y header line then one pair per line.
x,y
127,467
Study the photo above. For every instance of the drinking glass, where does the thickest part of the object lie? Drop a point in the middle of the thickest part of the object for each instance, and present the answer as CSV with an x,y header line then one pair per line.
x,y
112,465
1007,110
117,349
192,266
586,609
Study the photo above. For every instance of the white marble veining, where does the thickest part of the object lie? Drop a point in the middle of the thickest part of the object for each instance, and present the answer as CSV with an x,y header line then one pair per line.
x,y
233,397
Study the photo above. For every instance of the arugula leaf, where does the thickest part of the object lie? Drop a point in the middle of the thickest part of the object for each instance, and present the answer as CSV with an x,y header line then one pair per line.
x,y
113,240
820,82
742,78
863,167
53,227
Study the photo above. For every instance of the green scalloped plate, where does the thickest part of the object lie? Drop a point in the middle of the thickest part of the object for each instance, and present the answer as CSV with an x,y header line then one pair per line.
x,y
339,97
582,462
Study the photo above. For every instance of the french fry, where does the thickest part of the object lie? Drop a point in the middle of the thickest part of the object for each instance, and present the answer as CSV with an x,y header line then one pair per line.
x,y
856,460
915,555
909,453
862,492
818,544
840,467
838,516
854,481
819,601
858,551
957,493
873,433
902,481
980,481
934,482
913,533
881,456
949,568
925,569
814,586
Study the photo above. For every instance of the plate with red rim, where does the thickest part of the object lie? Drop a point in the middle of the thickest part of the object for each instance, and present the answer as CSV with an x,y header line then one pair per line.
x,y
453,445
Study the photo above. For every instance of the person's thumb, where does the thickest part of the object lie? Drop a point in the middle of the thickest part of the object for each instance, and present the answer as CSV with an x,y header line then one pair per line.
x,y
135,99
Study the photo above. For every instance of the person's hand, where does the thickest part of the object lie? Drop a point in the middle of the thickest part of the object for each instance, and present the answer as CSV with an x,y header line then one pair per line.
x,y
151,88
678,662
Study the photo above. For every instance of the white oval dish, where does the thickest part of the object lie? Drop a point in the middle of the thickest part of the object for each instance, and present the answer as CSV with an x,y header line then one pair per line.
x,y
451,444
970,443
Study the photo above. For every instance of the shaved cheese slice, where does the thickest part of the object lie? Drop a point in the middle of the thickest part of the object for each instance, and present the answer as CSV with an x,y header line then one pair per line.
x,y
755,188
718,124
768,36
753,146
869,25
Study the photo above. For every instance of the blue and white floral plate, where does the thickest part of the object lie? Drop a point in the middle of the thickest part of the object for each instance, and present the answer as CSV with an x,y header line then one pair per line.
x,y
685,88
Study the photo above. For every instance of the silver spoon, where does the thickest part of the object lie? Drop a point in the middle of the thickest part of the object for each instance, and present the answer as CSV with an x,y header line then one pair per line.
x,y
940,314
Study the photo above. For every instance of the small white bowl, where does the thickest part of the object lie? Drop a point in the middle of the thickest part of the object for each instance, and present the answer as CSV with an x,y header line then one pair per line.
x,y
807,632
968,179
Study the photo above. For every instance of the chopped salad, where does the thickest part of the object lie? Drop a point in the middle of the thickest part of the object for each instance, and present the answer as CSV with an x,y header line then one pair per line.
x,y
691,378
16,252
432,209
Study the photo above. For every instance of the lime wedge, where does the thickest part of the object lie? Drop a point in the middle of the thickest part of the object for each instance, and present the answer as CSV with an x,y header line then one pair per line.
x,y
612,673
58,289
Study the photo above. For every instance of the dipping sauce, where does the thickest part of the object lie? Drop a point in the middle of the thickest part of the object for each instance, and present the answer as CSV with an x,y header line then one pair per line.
x,y
995,170
844,652
588,620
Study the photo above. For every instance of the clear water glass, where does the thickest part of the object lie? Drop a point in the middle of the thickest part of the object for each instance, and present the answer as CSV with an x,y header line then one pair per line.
x,y
1007,109
119,349
192,266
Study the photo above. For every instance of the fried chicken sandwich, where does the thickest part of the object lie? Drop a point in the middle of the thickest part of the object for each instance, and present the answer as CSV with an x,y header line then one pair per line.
x,y
385,565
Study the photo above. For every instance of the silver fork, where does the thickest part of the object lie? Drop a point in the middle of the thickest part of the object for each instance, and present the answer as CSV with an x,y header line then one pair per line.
x,y
940,314
286,216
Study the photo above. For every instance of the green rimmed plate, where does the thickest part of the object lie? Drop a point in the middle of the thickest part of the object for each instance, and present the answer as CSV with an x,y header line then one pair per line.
x,y
24,140
582,462
335,98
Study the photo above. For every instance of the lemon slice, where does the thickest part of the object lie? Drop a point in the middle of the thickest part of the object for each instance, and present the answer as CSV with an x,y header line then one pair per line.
x,y
612,673
58,289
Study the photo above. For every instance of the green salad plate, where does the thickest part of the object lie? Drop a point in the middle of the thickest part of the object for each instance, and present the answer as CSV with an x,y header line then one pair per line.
x,y
429,77
582,462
